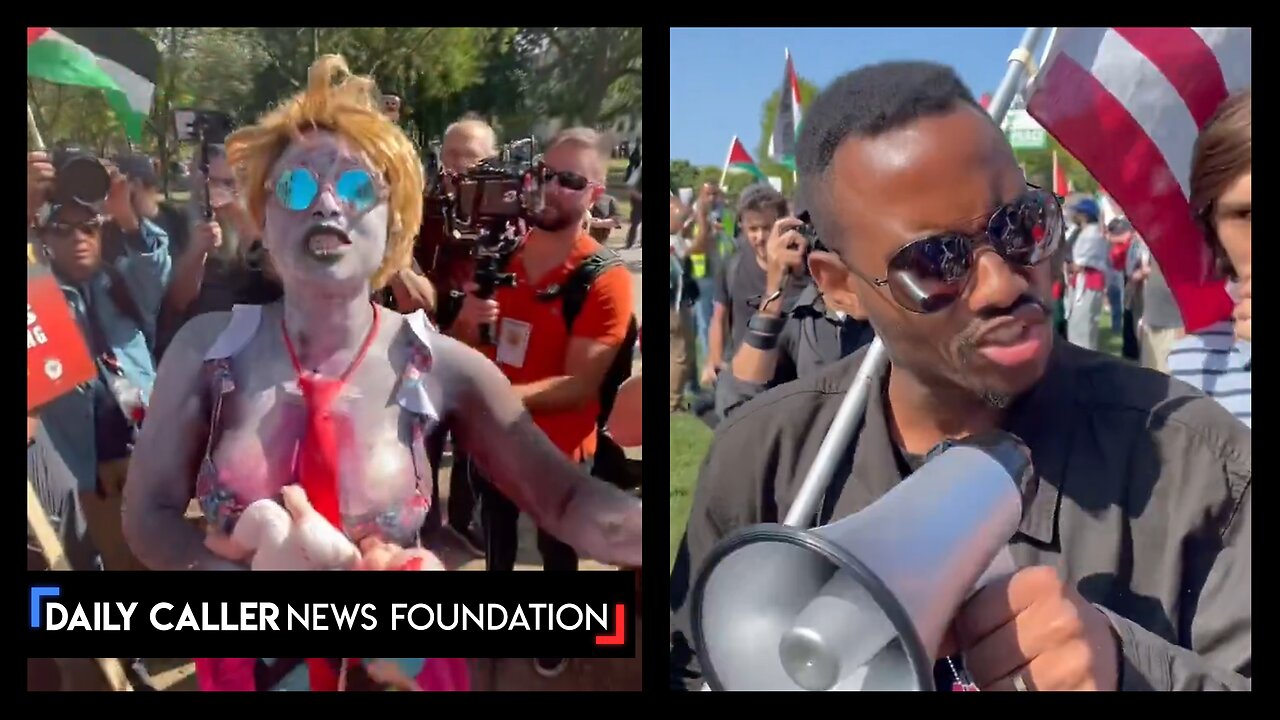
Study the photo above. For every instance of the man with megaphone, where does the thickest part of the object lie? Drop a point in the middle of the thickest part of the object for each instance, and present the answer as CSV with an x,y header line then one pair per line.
x,y
1013,513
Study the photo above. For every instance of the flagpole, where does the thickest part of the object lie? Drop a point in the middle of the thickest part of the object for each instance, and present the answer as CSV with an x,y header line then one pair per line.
x,y
725,172
835,445
33,130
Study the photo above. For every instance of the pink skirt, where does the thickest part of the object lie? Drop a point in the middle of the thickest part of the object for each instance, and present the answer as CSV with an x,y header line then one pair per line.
x,y
236,675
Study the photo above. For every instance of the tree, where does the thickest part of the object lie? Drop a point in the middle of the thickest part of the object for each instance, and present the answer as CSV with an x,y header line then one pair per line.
x,y
1039,167
578,69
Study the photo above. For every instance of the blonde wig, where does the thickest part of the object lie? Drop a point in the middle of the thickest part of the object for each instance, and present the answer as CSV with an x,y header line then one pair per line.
x,y
350,106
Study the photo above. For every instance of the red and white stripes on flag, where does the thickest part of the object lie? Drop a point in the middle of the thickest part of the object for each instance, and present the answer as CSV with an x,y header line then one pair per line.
x,y
1128,103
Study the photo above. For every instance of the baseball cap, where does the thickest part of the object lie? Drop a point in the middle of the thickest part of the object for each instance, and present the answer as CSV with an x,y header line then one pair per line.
x,y
139,167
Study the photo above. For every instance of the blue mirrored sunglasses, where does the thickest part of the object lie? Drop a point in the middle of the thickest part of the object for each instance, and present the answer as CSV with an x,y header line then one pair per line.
x,y
297,189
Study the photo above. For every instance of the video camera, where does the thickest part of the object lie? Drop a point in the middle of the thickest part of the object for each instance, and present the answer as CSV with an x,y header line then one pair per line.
x,y
207,127
484,207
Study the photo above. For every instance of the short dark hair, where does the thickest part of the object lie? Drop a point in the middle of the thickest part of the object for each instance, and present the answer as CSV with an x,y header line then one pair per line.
x,y
761,198
868,102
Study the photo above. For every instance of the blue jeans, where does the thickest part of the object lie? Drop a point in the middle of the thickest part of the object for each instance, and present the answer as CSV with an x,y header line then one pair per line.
x,y
702,311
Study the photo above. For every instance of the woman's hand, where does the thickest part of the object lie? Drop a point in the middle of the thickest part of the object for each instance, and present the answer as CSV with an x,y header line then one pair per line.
x,y
378,555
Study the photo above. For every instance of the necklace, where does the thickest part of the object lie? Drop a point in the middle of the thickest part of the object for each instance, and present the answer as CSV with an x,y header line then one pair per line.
x,y
960,685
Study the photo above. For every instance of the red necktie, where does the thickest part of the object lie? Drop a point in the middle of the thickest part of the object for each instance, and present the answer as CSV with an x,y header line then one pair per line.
x,y
326,434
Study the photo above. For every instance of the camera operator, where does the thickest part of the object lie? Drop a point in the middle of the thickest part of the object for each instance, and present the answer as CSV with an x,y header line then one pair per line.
x,y
558,372
785,343
115,303
214,267
466,142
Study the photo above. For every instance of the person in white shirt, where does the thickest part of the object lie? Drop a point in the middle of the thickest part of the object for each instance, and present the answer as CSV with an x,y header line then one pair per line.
x,y
1089,267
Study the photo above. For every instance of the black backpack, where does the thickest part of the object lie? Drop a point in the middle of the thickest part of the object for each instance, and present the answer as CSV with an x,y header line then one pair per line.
x,y
610,463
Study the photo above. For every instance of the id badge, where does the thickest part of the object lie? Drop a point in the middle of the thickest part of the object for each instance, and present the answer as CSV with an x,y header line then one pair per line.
x,y
513,341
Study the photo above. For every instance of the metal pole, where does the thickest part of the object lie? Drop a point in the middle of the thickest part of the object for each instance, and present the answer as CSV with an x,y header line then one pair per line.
x,y
801,512
33,130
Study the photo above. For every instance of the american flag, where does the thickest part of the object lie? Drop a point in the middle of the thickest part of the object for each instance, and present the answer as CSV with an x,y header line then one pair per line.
x,y
1128,103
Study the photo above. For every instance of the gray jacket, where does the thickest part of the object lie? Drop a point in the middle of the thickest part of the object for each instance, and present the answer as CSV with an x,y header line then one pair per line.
x,y
1142,501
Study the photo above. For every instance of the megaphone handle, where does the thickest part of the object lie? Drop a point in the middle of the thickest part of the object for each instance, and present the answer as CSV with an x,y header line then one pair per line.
x,y
836,442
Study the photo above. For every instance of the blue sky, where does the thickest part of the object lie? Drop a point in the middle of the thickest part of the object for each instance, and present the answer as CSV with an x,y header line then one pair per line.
x,y
720,77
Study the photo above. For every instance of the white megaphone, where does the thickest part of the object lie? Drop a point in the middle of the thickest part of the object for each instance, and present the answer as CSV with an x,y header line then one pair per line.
x,y
862,603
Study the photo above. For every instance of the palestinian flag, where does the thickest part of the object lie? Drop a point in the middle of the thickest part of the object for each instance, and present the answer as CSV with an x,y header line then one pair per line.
x,y
121,62
739,160
786,126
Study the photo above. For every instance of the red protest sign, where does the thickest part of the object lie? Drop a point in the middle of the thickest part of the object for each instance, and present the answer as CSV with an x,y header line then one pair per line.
x,y
57,356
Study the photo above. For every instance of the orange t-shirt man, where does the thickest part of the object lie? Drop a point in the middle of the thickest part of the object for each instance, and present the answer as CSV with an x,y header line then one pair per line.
x,y
531,339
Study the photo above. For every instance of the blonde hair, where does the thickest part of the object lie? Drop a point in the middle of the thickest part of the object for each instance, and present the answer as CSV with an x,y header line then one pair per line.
x,y
349,105
582,137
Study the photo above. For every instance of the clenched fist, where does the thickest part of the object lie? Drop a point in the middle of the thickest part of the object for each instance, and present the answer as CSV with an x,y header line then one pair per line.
x,y
1034,632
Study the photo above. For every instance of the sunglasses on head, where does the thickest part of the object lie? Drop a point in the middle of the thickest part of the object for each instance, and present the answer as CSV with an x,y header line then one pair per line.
x,y
298,188
929,274
567,179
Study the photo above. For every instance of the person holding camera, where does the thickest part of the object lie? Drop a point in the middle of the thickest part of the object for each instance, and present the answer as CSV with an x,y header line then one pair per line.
x,y
218,261
465,143
76,210
785,343
559,359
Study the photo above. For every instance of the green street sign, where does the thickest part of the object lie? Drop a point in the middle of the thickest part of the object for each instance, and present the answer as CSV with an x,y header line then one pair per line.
x,y
1028,139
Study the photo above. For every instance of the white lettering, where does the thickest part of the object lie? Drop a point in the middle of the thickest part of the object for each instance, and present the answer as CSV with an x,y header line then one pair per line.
x,y
518,617
49,610
346,616
471,615
303,619
36,337
188,619
269,612
560,617
31,315
155,616
600,618
497,626
317,621
371,621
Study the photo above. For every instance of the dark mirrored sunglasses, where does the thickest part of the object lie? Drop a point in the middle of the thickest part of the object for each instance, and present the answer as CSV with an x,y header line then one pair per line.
x,y
928,274
567,179
63,229
297,189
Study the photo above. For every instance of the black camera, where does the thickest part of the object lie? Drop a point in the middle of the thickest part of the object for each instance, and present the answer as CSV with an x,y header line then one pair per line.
x,y
80,178
491,194
206,127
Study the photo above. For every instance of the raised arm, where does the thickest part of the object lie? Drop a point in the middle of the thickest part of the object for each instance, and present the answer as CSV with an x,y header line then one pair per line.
x,y
492,427
163,470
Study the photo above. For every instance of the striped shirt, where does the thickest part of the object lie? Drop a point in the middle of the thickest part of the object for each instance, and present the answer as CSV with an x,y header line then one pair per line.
x,y
1214,361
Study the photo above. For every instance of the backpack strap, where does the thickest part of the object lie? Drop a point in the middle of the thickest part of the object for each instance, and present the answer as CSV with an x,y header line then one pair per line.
x,y
573,292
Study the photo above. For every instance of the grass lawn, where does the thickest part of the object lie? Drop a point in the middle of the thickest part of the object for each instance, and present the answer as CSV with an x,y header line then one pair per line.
x,y
690,439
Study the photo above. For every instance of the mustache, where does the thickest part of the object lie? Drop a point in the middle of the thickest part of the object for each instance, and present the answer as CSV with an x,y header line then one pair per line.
x,y
969,337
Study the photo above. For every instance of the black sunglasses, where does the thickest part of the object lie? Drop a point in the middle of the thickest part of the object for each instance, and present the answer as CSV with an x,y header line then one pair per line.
x,y
567,179
927,275
65,230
